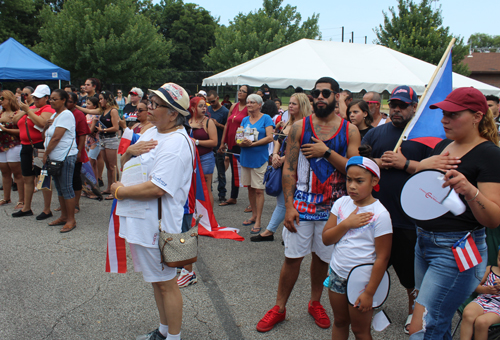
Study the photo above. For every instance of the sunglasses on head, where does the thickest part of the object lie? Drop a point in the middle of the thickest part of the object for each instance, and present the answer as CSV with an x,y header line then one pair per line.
x,y
401,105
325,92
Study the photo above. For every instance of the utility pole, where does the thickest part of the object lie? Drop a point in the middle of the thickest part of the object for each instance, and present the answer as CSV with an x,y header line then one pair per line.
x,y
342,33
365,39
352,37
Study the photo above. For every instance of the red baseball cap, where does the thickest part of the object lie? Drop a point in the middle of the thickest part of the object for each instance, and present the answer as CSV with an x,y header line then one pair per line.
x,y
463,98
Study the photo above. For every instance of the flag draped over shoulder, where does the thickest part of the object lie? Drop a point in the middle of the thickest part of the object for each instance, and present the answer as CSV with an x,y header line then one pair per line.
x,y
426,127
116,259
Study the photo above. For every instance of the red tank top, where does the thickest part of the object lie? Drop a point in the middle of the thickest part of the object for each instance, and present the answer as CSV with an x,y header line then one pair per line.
x,y
201,134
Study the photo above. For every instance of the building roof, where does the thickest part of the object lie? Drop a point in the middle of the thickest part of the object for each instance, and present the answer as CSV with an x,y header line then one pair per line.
x,y
483,62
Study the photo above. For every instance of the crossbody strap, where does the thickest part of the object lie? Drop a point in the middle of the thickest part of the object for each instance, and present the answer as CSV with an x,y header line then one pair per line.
x,y
28,131
193,156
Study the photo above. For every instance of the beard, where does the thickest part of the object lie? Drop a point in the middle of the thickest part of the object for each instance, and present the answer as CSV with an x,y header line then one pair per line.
x,y
324,112
401,123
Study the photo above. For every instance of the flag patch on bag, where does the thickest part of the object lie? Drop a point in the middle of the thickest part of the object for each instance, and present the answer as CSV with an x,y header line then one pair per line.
x,y
466,254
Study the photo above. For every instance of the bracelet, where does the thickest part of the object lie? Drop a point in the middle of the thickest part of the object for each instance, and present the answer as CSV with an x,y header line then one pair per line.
x,y
473,198
407,164
116,193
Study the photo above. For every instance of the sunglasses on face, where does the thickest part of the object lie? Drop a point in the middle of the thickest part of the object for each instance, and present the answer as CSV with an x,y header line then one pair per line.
x,y
401,105
212,102
141,110
119,93
372,102
325,92
1,98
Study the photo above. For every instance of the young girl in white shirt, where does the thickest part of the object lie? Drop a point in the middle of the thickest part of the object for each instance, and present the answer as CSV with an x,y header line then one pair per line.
x,y
361,229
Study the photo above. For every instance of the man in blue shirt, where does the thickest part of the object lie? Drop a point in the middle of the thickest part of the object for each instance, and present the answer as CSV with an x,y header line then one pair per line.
x,y
218,114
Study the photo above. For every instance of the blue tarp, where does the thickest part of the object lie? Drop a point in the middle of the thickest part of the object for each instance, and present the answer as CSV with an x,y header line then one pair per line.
x,y
18,62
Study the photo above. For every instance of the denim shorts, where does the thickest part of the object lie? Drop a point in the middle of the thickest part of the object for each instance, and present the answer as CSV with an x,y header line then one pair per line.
x,y
109,143
186,222
94,153
336,283
64,182
442,287
208,163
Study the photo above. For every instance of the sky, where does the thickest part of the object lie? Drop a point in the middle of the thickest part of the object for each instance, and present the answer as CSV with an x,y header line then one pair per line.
x,y
464,17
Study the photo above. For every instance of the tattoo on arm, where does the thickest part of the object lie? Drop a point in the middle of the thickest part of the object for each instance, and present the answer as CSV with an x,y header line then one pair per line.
x,y
291,159
481,205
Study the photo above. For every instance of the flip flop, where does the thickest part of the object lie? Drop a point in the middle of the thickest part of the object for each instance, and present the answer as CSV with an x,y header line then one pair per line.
x,y
248,222
4,202
255,231
226,203
66,230
109,198
19,205
77,210
57,209
248,209
106,193
55,223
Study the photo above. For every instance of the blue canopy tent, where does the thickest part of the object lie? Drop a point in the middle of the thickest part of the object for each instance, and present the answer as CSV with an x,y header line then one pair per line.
x,y
18,62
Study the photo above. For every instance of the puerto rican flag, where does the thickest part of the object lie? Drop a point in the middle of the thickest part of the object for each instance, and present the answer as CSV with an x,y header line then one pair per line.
x,y
116,257
466,254
128,138
426,126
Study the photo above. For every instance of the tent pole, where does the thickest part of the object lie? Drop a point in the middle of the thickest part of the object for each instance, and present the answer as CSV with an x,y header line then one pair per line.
x,y
59,83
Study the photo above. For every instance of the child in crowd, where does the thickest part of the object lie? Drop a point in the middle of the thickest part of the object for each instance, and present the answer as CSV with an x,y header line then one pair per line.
x,y
484,311
361,229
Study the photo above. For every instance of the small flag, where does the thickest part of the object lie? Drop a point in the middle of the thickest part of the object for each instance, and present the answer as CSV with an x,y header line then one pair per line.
x,y
128,138
426,127
466,254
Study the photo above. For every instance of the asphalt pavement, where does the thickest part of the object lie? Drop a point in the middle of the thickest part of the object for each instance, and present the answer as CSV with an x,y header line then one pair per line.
x,y
54,286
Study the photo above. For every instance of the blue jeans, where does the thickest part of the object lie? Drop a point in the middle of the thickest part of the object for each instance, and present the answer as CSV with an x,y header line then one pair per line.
x,y
64,182
442,287
278,214
221,174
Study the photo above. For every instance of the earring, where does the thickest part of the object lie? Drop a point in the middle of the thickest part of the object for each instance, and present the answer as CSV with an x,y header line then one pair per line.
x,y
474,124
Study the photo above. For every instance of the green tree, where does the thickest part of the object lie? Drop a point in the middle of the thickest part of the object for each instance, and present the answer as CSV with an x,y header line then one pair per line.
x,y
416,29
107,39
481,42
191,30
256,33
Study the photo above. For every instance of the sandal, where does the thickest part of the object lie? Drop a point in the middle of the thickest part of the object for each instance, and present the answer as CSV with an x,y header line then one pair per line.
x,y
4,202
255,231
19,205
59,221
407,324
228,202
57,209
106,193
248,222
248,209
109,198
77,210
66,230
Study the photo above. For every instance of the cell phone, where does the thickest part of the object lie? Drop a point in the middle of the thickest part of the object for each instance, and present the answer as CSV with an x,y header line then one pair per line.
x,y
23,98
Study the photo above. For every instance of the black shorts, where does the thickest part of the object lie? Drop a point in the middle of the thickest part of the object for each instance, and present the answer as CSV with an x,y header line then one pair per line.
x,y
27,167
403,255
77,178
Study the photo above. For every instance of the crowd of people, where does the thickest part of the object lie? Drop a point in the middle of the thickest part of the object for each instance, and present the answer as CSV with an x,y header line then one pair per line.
x,y
340,197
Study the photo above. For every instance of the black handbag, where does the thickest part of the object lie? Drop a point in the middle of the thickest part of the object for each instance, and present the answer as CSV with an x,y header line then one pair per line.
x,y
54,168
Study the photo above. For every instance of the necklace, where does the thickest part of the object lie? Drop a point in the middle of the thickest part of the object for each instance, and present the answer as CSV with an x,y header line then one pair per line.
x,y
239,112
177,127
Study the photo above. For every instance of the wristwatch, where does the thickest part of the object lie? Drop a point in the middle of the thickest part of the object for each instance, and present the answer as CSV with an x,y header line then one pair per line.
x,y
197,142
327,153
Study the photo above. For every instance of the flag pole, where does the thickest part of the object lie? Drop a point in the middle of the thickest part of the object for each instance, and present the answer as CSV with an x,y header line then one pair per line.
x,y
438,67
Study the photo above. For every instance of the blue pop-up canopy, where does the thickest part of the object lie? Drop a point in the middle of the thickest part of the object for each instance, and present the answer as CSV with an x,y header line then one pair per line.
x,y
18,62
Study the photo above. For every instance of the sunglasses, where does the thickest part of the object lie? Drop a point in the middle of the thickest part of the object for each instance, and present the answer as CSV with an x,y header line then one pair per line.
x,y
372,102
1,98
212,102
119,93
141,110
325,92
401,105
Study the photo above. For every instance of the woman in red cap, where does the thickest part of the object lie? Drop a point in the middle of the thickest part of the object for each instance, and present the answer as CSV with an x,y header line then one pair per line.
x,y
471,158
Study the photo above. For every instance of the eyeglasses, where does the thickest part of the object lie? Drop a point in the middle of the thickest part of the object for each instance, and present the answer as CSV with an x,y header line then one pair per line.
x,y
372,102
325,92
1,98
54,99
154,105
242,91
399,104
141,110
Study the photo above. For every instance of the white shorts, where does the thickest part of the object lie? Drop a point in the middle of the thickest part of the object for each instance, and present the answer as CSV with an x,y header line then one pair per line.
x,y
12,155
307,239
147,261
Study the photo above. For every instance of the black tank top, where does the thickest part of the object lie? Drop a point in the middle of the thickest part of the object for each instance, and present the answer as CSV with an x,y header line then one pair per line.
x,y
106,121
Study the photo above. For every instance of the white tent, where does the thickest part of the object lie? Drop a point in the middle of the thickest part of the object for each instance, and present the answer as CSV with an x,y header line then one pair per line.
x,y
356,67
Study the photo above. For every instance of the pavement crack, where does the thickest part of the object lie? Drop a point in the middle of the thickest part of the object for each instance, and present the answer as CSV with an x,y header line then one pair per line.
x,y
58,320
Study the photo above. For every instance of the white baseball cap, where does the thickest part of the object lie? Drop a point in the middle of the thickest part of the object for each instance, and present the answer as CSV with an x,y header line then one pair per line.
x,y
41,91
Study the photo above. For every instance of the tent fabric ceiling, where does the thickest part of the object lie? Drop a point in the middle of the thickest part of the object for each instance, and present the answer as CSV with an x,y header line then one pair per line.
x,y
18,62
356,67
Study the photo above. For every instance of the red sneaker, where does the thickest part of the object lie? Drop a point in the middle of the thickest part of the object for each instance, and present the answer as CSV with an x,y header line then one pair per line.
x,y
270,319
319,314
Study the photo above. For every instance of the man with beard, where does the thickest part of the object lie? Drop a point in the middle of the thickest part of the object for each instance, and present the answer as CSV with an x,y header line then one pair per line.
x,y
313,178
395,168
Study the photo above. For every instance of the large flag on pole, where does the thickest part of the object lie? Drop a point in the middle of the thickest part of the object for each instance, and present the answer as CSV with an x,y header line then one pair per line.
x,y
426,127
116,253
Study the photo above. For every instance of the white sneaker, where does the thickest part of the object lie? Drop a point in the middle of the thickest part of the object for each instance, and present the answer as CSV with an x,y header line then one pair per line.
x,y
186,278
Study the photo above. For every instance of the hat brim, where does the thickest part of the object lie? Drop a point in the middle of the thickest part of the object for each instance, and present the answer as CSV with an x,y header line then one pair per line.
x,y
162,96
404,100
447,106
